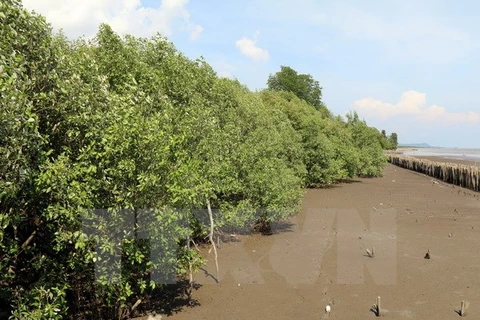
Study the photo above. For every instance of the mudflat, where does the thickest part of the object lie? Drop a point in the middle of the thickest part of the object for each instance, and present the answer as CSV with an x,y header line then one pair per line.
x,y
466,161
319,256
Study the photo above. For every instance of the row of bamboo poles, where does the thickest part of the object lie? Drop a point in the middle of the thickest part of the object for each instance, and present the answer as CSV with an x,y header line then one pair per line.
x,y
457,174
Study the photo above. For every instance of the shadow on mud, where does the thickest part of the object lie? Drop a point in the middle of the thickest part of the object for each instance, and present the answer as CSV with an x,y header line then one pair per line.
x,y
337,184
170,299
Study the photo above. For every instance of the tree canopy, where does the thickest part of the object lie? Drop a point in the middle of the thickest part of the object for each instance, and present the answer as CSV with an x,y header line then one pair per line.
x,y
124,123
303,86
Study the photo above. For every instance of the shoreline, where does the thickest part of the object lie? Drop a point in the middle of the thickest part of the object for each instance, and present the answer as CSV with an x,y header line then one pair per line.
x,y
475,163
436,158
296,272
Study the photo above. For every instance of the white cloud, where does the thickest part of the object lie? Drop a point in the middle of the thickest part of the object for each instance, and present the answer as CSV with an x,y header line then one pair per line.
x,y
248,48
410,32
414,104
82,17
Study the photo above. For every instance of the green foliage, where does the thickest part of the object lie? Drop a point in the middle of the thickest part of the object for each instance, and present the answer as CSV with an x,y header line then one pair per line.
x,y
367,141
130,123
331,148
41,303
247,162
393,139
302,85
388,143
317,151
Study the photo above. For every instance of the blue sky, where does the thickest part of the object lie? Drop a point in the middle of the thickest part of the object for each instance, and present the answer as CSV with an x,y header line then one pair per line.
x,y
409,67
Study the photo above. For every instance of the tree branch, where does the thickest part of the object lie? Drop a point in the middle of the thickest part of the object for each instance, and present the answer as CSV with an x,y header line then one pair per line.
x,y
212,227
29,239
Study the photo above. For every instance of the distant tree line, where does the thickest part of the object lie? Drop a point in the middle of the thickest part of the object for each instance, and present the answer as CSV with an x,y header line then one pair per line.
x,y
115,123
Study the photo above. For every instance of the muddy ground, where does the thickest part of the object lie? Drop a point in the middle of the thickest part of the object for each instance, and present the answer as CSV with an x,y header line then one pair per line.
x,y
319,257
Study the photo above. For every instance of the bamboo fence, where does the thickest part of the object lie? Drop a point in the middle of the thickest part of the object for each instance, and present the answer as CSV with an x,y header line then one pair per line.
x,y
457,174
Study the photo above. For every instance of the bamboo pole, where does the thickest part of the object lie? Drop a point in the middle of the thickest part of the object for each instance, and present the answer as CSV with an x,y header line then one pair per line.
x,y
458,174
379,308
463,308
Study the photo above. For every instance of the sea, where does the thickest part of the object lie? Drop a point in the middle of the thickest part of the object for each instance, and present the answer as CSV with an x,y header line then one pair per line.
x,y
472,154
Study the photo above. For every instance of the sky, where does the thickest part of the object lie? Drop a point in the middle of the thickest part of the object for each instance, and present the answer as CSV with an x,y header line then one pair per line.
x,y
409,67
